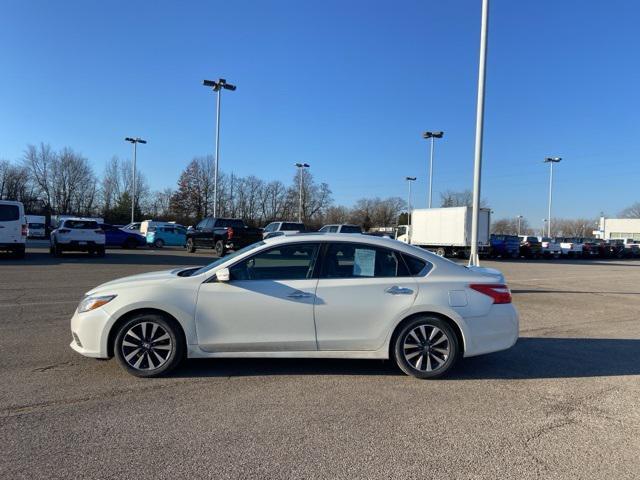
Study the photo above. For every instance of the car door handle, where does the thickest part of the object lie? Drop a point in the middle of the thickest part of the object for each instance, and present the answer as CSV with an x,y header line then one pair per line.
x,y
299,294
396,290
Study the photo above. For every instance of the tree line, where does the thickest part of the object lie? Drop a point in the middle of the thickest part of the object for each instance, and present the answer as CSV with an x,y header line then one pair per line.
x,y
51,182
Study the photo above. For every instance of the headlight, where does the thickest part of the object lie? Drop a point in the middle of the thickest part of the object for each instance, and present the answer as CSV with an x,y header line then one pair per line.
x,y
92,302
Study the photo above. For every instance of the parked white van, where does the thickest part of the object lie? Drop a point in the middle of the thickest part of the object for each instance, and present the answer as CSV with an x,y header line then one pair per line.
x,y
13,227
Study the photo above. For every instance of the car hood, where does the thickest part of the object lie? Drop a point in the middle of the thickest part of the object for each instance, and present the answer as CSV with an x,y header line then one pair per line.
x,y
135,280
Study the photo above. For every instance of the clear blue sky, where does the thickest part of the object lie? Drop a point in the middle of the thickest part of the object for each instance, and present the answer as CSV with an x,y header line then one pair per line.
x,y
347,86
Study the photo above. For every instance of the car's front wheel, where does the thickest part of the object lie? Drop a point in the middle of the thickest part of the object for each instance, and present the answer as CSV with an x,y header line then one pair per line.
x,y
191,247
149,345
426,347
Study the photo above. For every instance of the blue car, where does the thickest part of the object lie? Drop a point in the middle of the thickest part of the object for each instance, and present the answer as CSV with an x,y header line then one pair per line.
x,y
170,235
116,237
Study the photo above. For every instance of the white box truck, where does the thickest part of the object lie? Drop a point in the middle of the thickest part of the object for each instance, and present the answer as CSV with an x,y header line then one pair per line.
x,y
446,231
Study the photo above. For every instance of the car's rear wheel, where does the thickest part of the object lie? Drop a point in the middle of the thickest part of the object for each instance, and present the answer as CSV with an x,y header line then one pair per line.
x,y
219,248
191,248
100,251
57,250
159,243
131,243
426,347
149,345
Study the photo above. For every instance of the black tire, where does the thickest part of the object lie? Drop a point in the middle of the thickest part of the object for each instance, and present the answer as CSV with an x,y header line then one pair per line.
x,y
428,350
19,252
127,356
219,248
191,247
100,251
441,252
131,243
57,250
158,243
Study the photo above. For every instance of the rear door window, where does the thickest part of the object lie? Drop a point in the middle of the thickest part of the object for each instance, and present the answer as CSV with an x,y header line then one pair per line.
x,y
351,260
350,229
9,213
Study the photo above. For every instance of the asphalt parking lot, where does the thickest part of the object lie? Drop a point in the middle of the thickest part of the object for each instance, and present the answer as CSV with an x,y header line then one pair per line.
x,y
563,403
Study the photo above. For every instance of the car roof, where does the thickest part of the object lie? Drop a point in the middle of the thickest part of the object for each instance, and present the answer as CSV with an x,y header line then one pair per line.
x,y
352,237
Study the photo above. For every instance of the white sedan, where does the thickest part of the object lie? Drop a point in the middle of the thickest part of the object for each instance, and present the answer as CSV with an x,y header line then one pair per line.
x,y
302,296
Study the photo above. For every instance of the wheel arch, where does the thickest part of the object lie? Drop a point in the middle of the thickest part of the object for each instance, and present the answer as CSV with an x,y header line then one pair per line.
x,y
451,322
113,331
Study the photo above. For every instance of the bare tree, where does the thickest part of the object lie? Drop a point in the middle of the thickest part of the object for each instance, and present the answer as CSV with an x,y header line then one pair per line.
x,y
509,226
450,198
632,211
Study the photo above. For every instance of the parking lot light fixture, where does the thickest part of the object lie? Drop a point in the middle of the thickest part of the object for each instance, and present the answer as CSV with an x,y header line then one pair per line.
x,y
550,161
432,136
135,141
301,167
217,86
409,180
474,258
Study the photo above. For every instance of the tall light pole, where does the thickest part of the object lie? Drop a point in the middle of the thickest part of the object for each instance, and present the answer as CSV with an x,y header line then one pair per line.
x,y
217,86
550,161
409,207
432,136
135,141
519,217
301,167
474,259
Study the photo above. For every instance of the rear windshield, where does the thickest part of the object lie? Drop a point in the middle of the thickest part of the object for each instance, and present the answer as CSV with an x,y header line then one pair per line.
x,y
290,226
229,222
81,224
36,225
532,239
350,229
9,213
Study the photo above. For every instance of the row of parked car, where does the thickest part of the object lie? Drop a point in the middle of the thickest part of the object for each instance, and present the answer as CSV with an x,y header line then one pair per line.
x,y
527,246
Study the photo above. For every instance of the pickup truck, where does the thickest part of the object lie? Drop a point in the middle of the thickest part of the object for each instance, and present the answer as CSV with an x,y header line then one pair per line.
x,y
221,234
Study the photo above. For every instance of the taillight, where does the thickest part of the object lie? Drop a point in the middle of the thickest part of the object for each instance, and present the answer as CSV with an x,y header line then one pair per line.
x,y
24,230
499,293
229,233
63,230
101,232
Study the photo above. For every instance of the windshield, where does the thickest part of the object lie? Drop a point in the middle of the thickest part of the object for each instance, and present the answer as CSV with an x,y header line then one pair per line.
x,y
221,260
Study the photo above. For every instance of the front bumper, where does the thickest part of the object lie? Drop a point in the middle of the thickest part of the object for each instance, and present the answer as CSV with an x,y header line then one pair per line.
x,y
89,332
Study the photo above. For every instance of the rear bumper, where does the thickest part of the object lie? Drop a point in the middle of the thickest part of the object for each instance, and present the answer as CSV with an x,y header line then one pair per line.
x,y
76,246
498,330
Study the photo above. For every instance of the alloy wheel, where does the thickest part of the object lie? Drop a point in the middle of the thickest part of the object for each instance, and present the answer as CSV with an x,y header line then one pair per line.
x,y
146,346
426,348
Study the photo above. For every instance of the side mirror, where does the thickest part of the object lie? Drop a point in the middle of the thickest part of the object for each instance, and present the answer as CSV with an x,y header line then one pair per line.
x,y
223,275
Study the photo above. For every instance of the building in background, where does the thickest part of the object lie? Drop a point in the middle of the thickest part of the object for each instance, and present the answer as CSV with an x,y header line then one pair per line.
x,y
618,228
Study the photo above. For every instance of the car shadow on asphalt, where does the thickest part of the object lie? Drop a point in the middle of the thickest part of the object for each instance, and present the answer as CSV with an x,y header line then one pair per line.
x,y
541,357
531,358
